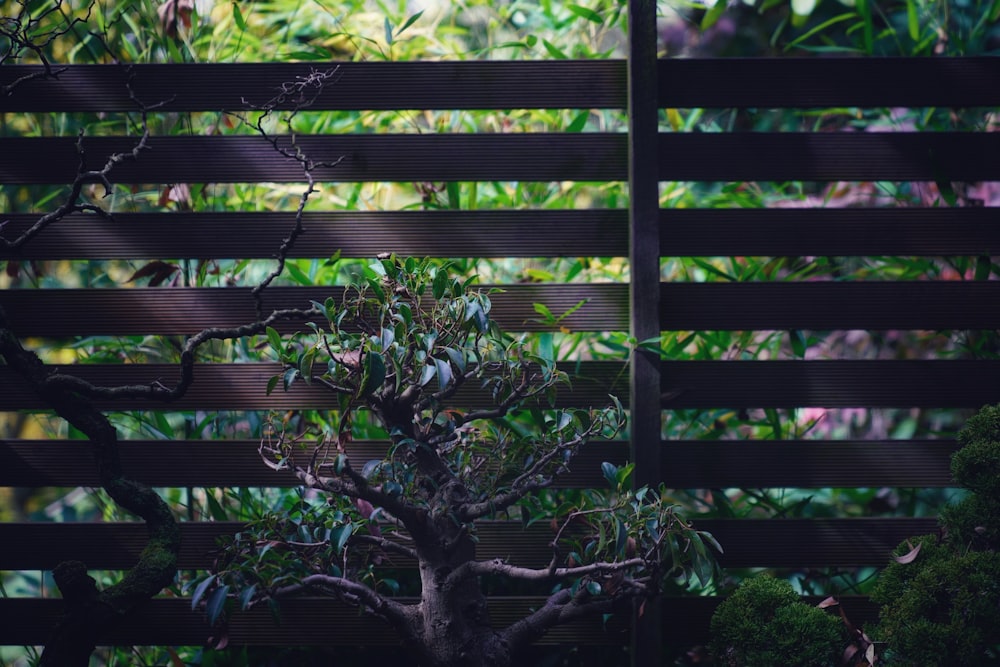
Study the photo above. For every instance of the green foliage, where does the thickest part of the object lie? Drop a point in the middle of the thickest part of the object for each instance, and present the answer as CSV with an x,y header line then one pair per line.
x,y
943,608
976,466
941,594
765,623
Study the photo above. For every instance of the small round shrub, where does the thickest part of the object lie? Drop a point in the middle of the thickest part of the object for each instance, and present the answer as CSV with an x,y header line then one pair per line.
x,y
976,466
942,608
765,623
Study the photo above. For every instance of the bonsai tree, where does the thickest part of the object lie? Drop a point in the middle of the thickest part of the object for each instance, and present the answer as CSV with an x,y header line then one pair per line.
x,y
765,623
941,593
472,436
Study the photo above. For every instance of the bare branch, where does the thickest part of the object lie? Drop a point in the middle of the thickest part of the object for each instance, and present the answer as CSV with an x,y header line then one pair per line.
x,y
501,567
354,593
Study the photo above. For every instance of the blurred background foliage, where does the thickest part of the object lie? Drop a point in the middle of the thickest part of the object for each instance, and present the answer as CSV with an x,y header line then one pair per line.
x,y
154,31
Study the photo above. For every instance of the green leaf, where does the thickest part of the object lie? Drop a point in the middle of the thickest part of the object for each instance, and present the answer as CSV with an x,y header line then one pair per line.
x,y
410,21
374,374
306,364
200,589
340,535
983,267
443,372
544,311
298,275
289,377
246,596
864,8
440,284
553,50
593,587
586,13
912,20
610,472
214,508
427,373
274,339
713,15
238,17
216,603
388,31
307,55
798,343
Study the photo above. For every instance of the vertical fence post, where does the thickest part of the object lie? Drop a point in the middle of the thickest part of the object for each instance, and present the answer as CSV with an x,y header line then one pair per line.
x,y
644,288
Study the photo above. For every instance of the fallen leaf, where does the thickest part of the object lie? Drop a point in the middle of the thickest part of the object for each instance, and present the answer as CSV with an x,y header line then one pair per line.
x,y
909,556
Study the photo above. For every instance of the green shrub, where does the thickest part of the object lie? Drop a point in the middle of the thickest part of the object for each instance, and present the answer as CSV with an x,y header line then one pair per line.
x,y
976,466
973,522
765,623
942,608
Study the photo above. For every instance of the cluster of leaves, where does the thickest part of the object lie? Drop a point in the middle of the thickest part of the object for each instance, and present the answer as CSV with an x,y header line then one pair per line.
x,y
765,623
941,593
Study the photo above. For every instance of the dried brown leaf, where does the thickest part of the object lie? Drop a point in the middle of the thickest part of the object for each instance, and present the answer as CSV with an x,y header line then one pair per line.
x,y
909,556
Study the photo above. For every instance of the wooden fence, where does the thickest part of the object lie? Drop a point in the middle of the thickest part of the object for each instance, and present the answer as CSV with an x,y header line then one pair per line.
x,y
644,234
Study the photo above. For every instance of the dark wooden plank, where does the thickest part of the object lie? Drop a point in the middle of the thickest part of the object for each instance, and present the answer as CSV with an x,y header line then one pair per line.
x,y
820,305
683,82
644,285
218,235
829,82
831,384
829,156
519,233
687,384
242,387
855,542
808,463
324,622
214,463
354,86
689,463
235,159
829,231
189,310
759,156
872,305
304,622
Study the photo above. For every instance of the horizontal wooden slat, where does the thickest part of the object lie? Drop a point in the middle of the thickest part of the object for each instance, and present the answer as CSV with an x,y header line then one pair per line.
x,y
828,82
320,621
686,384
831,384
189,310
750,156
689,464
243,386
496,233
869,305
354,86
829,232
831,305
215,463
515,233
829,156
304,622
683,82
855,542
235,159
